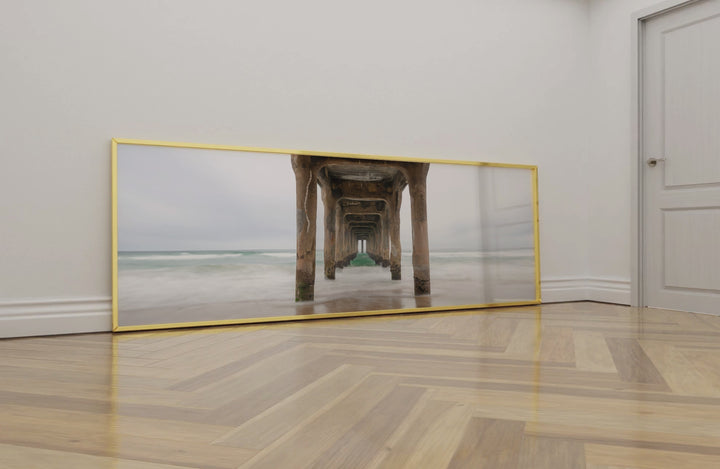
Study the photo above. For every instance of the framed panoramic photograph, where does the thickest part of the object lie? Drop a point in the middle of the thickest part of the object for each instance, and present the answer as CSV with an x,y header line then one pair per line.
x,y
211,234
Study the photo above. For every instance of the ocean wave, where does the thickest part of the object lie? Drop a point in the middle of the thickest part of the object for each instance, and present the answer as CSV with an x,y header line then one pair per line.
x,y
481,254
457,255
182,256
192,256
278,254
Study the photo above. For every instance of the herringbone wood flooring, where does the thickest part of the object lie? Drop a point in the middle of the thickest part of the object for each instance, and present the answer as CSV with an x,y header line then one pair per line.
x,y
577,385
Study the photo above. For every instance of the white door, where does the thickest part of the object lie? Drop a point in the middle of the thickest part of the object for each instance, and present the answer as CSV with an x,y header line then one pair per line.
x,y
681,130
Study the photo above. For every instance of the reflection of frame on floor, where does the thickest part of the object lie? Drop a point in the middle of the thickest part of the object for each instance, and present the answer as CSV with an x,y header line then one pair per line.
x,y
361,201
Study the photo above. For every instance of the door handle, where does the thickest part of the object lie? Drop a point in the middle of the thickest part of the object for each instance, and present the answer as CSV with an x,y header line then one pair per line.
x,y
652,162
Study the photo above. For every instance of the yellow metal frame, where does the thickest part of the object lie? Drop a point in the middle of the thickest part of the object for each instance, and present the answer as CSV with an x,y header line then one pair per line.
x,y
143,327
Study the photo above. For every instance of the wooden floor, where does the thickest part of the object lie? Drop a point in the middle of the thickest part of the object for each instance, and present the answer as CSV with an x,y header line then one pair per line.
x,y
577,385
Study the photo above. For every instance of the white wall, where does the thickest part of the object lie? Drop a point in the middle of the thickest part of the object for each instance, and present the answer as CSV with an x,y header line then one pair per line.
x,y
609,159
493,80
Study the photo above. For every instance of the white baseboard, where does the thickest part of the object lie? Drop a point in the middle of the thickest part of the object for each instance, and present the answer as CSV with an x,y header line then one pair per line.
x,y
555,290
24,318
607,290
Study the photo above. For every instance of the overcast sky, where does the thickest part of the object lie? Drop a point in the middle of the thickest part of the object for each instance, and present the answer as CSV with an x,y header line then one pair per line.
x,y
193,199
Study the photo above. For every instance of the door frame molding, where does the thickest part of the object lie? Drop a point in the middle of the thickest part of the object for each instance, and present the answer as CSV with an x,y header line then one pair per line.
x,y
637,165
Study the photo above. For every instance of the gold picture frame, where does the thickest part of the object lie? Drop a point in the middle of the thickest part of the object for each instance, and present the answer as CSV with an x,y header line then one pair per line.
x,y
370,225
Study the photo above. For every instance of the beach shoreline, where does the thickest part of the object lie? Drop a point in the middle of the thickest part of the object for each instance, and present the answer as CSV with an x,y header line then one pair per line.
x,y
355,290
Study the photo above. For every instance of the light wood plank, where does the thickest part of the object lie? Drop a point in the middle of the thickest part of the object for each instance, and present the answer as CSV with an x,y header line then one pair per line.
x,y
560,386
641,458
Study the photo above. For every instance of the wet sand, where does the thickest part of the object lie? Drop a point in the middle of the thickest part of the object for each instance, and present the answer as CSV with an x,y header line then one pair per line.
x,y
344,295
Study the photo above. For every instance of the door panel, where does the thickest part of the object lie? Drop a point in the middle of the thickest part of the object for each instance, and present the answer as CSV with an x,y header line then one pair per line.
x,y
692,103
688,263
681,128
